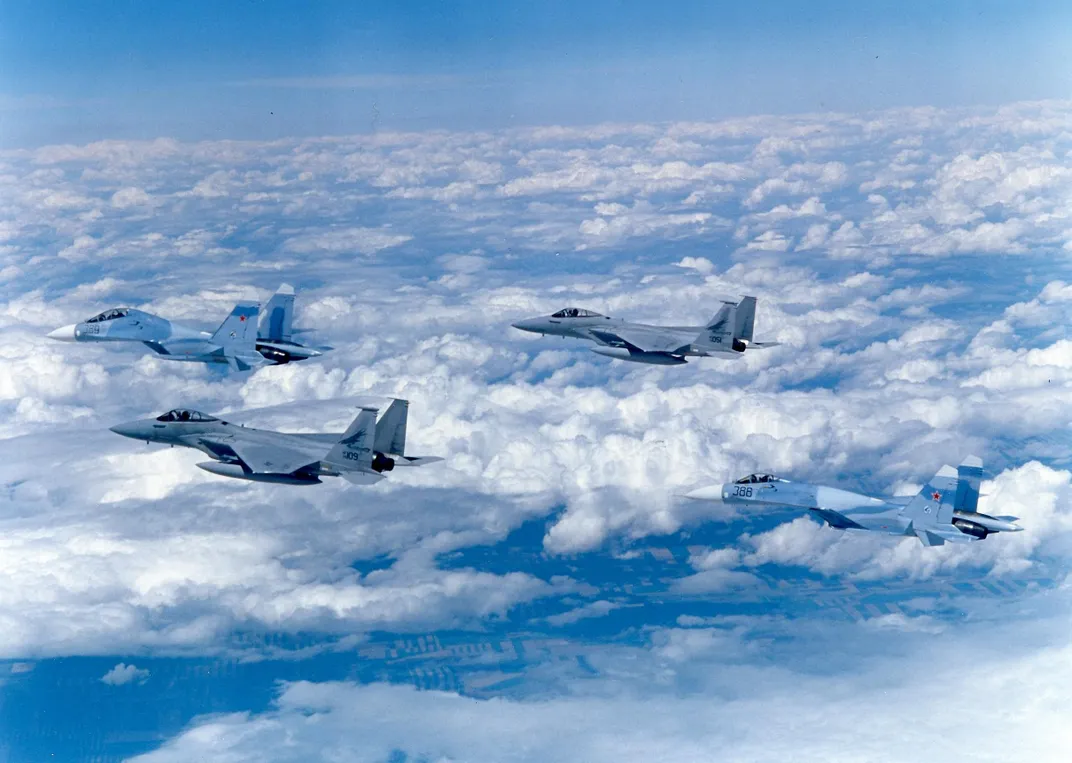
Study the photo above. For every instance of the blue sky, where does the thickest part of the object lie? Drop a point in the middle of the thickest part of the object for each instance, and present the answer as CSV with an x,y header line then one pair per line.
x,y
271,69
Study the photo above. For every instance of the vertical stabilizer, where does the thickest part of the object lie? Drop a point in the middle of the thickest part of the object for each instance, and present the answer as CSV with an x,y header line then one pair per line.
x,y
745,319
931,511
969,477
355,446
278,316
718,333
239,331
391,429
731,328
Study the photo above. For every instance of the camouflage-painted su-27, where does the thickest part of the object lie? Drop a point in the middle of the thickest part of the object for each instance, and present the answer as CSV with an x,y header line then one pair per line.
x,y
241,342
944,511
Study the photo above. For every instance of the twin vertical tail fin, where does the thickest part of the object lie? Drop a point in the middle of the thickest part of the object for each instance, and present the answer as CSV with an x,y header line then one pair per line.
x,y
237,337
369,448
276,321
391,429
240,327
744,319
969,477
355,448
931,512
731,329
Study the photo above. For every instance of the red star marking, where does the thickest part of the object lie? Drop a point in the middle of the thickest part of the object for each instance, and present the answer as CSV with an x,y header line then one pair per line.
x,y
936,495
242,318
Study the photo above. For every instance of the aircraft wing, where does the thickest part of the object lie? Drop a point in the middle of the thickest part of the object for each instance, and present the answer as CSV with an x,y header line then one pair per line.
x,y
638,339
274,458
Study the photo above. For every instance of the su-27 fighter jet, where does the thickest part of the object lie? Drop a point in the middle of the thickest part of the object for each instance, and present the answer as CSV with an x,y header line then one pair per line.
x,y
945,510
359,455
728,334
240,341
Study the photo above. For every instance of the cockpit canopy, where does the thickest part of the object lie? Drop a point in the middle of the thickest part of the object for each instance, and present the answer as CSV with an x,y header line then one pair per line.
x,y
110,315
576,312
751,479
181,414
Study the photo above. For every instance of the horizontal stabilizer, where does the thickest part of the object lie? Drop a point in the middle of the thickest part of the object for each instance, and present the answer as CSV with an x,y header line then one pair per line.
x,y
940,535
761,345
362,478
928,538
243,362
416,460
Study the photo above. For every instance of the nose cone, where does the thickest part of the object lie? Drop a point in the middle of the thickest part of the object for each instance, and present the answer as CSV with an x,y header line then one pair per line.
x,y
133,429
708,493
63,333
529,324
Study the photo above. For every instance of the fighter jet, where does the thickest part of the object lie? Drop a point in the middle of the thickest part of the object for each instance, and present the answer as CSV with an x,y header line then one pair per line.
x,y
239,342
728,334
359,455
945,510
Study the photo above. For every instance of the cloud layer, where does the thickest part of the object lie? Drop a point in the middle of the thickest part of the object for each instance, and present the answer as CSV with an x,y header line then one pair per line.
x,y
912,263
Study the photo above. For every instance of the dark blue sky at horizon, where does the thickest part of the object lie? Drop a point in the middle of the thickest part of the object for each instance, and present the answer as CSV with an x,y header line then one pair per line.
x,y
271,69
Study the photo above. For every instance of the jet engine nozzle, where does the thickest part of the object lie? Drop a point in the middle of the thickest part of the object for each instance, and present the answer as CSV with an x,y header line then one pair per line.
x,y
381,463
971,528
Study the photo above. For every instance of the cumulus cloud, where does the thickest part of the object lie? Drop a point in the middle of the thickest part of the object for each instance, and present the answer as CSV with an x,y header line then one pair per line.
x,y
124,674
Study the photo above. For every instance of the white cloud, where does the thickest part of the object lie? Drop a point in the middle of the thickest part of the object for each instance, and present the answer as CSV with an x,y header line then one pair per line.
x,y
691,692
346,240
123,674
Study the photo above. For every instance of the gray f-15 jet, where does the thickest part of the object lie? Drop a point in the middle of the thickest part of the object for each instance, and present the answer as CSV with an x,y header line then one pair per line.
x,y
361,454
945,510
240,342
728,334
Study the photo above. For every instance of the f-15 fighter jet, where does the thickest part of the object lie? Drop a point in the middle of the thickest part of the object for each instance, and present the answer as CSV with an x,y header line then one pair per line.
x,y
945,510
728,334
360,455
239,341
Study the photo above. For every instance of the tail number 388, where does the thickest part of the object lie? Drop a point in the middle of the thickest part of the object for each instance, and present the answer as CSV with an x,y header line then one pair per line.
x,y
742,491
